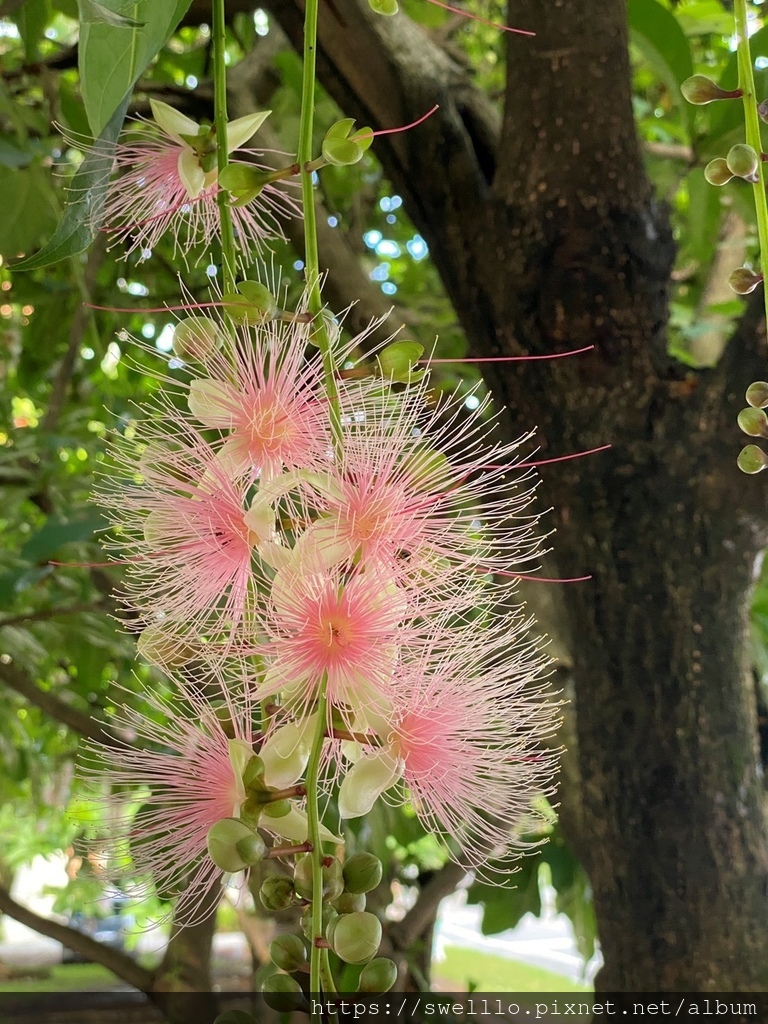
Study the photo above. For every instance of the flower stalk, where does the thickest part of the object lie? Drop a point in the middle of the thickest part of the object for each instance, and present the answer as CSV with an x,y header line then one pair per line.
x,y
219,40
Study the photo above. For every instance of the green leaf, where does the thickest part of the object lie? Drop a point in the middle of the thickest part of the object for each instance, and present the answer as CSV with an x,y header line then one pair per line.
x,y
56,532
31,20
28,212
112,58
708,17
12,155
657,34
77,228
92,13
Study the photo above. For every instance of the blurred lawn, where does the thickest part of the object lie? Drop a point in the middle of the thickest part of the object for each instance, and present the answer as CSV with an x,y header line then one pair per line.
x,y
488,973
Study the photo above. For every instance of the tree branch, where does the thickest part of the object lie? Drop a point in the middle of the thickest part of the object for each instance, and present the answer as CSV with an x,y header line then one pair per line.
x,y
58,709
404,933
120,964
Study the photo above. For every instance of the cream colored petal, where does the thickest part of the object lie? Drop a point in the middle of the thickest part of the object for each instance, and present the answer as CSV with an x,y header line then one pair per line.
x,y
243,128
366,780
212,403
293,827
240,754
191,173
286,753
320,547
173,121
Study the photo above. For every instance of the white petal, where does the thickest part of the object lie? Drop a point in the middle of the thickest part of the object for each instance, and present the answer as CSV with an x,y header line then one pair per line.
x,y
240,754
173,121
243,128
212,402
191,173
320,547
365,781
286,753
293,827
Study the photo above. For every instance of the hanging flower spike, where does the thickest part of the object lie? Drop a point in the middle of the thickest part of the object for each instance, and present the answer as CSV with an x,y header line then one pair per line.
x,y
191,563
168,183
469,744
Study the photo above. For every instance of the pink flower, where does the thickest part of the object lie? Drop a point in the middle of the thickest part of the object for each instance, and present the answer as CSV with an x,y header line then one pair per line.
x,y
181,762
470,742
166,184
346,631
181,528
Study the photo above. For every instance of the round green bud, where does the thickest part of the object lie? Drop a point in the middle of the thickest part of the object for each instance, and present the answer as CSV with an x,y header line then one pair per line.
x,y
743,161
282,992
753,422
386,7
717,172
277,893
356,937
197,337
349,902
288,952
253,776
252,849
743,280
378,976
752,459
699,89
333,879
302,875
223,839
329,918
362,872
757,394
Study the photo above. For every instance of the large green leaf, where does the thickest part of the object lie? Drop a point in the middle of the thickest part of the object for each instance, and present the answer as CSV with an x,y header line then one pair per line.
x,y
28,211
657,34
57,532
78,226
112,56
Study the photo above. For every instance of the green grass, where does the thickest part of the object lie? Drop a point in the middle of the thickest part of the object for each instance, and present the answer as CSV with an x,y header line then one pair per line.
x,y
488,973
64,978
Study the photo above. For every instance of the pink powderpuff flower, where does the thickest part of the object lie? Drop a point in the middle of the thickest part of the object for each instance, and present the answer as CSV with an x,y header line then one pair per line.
x,y
266,397
165,185
323,626
416,489
472,743
182,763
179,518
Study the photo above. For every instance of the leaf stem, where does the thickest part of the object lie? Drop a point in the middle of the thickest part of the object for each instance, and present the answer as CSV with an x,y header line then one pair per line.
x,y
219,40
752,121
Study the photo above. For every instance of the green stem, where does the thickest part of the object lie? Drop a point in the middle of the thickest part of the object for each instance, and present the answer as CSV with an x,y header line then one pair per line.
x,y
747,86
313,828
219,39
311,258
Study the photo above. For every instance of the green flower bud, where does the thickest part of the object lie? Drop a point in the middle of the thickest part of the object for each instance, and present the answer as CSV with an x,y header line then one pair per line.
x,y
288,952
362,872
717,172
349,902
333,880
699,89
242,182
252,849
282,992
743,280
356,937
386,7
302,875
397,361
757,394
197,337
328,921
752,459
223,839
253,773
753,422
743,161
378,976
277,893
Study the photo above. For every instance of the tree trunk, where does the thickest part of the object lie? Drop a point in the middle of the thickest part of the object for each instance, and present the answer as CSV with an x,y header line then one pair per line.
x,y
547,237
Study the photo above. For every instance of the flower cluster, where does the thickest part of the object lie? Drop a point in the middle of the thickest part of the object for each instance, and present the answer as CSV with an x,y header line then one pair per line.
x,y
295,550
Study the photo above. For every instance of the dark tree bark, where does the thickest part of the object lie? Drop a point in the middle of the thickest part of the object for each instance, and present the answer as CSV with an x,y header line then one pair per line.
x,y
548,237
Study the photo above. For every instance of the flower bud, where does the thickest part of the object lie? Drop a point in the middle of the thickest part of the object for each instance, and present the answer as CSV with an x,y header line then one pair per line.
x,y
362,872
333,879
378,976
717,172
282,992
757,394
222,841
700,90
252,849
288,952
197,337
329,919
242,182
277,892
397,361
386,7
743,161
743,280
356,937
302,876
752,459
753,422
350,902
